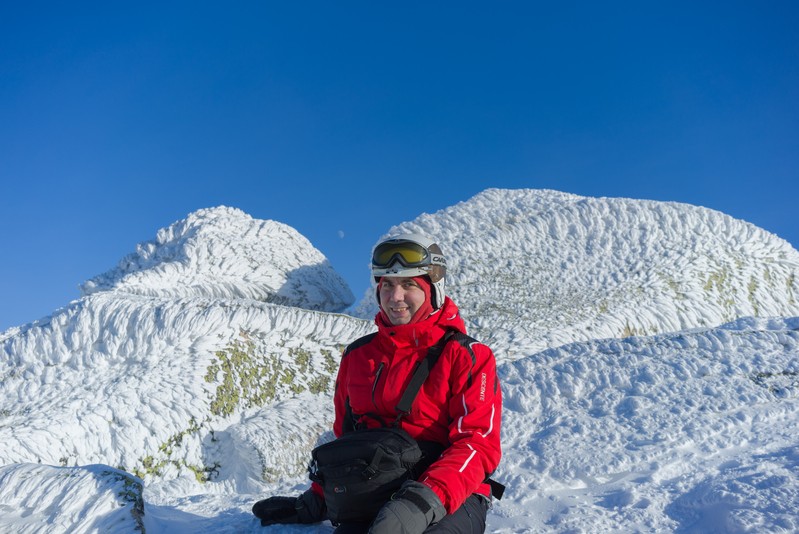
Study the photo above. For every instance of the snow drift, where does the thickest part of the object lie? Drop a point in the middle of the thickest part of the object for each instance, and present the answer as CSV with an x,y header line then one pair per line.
x,y
694,431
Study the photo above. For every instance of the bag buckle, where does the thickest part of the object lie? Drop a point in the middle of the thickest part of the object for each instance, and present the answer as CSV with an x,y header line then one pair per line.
x,y
369,472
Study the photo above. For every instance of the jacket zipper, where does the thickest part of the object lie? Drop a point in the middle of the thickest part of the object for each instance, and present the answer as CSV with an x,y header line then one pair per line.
x,y
377,377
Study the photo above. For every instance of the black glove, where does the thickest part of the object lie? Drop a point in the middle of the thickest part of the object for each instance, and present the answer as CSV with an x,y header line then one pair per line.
x,y
410,511
307,508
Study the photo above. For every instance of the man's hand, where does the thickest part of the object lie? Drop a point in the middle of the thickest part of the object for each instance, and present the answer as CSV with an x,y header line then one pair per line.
x,y
307,508
410,511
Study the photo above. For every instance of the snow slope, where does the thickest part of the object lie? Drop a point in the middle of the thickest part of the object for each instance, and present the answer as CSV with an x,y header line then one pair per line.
x,y
213,398
688,432
94,498
167,371
533,269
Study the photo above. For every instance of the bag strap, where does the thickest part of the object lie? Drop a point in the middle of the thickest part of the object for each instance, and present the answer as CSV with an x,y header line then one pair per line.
x,y
497,489
419,376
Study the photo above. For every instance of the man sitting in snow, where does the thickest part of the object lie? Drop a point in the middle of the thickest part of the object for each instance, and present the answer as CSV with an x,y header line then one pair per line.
x,y
458,409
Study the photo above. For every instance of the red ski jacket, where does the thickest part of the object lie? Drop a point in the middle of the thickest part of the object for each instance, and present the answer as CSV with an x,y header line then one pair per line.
x,y
459,405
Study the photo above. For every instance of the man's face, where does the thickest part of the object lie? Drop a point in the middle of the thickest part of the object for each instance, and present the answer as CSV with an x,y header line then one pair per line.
x,y
400,298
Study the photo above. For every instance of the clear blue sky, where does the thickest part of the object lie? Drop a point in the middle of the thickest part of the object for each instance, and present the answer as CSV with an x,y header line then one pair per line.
x,y
350,117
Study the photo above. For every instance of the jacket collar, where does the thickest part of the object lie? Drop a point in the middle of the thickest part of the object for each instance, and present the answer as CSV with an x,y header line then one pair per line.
x,y
422,334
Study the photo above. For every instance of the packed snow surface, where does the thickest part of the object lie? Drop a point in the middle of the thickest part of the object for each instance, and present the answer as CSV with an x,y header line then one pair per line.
x,y
648,353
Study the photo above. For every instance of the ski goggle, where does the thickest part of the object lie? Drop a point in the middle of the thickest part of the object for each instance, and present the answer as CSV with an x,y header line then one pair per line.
x,y
405,252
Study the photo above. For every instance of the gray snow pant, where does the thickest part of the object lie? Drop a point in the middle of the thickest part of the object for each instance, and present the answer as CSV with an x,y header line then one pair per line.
x,y
470,518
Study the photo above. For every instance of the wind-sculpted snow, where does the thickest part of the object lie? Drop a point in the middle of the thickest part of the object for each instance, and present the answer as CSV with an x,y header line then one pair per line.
x,y
688,432
94,498
145,383
204,398
534,269
224,253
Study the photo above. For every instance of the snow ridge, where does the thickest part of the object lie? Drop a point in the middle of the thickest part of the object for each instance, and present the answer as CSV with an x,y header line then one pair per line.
x,y
533,269
224,253
187,365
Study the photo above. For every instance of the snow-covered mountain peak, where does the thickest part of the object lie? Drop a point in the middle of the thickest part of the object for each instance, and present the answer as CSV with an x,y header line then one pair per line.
x,y
533,269
224,253
133,410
